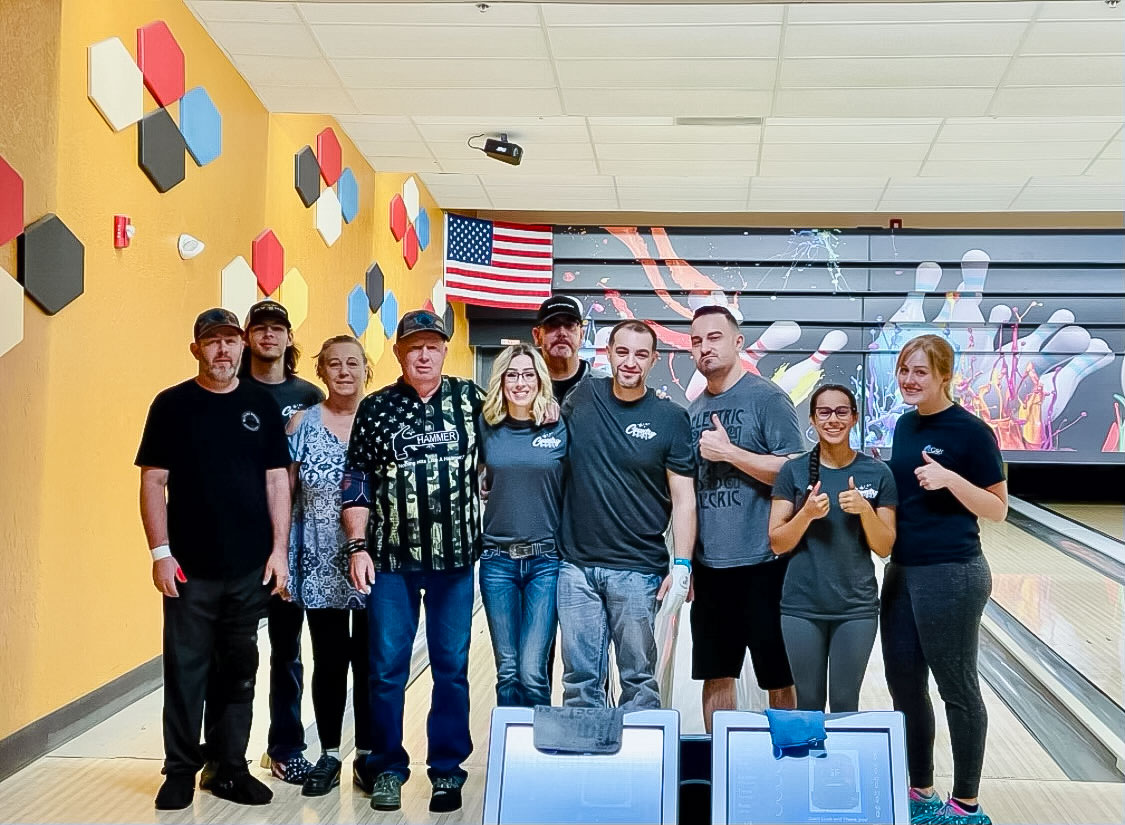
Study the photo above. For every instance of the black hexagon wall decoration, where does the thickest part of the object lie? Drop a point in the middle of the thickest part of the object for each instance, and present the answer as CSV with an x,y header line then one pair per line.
x,y
449,318
160,149
374,284
306,176
51,263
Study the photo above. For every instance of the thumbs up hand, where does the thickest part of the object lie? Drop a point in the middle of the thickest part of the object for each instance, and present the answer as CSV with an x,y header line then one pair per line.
x,y
714,445
932,475
851,500
816,505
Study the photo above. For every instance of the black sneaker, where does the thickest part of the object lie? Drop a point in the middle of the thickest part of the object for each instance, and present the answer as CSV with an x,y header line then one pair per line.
x,y
447,794
361,777
241,788
386,795
323,777
176,793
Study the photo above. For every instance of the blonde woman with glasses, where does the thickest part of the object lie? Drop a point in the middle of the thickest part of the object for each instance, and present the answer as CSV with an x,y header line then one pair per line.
x,y
523,457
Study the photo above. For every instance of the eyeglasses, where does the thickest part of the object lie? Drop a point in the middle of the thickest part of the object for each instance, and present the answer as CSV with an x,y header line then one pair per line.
x,y
512,376
824,413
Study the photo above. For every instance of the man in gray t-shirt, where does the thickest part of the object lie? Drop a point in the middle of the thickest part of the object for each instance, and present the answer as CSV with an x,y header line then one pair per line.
x,y
746,428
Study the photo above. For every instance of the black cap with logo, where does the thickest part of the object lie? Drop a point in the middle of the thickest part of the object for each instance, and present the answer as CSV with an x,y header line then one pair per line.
x,y
213,320
421,320
559,306
265,311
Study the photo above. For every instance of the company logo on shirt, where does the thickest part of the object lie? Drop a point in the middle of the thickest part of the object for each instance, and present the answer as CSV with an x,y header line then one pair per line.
x,y
867,491
641,431
929,448
289,410
547,442
406,440
251,421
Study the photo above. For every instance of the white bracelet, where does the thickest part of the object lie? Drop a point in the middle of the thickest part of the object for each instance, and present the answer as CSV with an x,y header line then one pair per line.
x,y
161,552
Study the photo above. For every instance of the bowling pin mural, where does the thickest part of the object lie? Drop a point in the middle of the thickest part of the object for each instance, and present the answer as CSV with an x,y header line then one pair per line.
x,y
798,380
1059,384
926,278
778,335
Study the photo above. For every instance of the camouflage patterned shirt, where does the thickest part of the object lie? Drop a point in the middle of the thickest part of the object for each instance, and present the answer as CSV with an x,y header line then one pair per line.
x,y
420,463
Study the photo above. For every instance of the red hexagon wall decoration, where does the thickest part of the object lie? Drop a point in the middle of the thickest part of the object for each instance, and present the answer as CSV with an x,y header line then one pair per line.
x,y
398,217
268,261
161,61
329,155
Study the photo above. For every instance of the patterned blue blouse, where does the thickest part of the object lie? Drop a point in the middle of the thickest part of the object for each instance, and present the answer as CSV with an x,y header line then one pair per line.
x,y
318,568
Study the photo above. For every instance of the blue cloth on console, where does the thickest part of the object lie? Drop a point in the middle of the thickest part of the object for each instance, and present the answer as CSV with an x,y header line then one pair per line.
x,y
797,732
578,730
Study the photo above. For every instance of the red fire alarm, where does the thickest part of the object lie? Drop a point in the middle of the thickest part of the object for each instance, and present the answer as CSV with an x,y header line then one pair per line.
x,y
896,223
122,231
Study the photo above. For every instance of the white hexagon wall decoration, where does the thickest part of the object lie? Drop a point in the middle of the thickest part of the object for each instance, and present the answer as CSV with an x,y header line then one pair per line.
x,y
410,198
437,297
240,288
115,84
329,217
11,312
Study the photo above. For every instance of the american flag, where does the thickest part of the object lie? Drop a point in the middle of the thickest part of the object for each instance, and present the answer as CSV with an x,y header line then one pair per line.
x,y
497,264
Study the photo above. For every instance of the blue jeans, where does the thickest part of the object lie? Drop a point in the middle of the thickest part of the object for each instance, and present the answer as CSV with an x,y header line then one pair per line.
x,y
519,601
392,615
596,604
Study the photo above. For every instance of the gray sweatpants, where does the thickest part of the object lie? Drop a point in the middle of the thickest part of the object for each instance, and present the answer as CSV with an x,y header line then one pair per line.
x,y
828,658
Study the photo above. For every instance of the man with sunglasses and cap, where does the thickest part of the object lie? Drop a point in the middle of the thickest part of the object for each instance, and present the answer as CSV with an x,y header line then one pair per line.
x,y
215,508
411,514
558,335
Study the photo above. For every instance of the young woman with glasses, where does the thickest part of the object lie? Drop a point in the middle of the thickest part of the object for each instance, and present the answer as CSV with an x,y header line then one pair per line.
x,y
832,508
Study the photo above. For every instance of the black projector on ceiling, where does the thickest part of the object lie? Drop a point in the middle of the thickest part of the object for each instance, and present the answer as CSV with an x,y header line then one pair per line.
x,y
503,150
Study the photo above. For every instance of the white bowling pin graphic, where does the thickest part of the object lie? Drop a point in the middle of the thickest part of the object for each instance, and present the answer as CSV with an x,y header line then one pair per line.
x,y
974,271
833,341
984,337
926,278
1034,340
1066,342
778,335
1059,385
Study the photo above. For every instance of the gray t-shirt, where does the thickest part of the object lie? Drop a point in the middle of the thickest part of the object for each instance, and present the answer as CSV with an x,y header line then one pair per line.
x,y
831,574
525,465
734,508
617,502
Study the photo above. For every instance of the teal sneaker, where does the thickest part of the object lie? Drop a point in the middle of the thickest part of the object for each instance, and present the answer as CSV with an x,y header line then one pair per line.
x,y
922,808
951,813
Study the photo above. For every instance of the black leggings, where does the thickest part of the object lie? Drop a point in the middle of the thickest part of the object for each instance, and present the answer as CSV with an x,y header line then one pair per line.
x,y
828,658
931,623
336,646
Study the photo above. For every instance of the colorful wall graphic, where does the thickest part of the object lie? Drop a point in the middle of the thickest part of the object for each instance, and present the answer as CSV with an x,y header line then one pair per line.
x,y
1037,319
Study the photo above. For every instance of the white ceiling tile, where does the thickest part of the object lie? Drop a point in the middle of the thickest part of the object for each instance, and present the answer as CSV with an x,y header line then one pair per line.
x,y
536,149
694,190
341,41
1070,10
1075,37
882,102
987,204
380,127
312,99
672,102
1070,201
378,73
1107,169
497,192
812,130
954,186
547,129
991,150
684,73
500,175
905,40
818,185
994,169
456,101
906,12
813,204
390,163
278,39
397,148
702,167
414,14
665,41
1059,100
678,151
1018,129
813,166
1078,182
625,182
624,132
1069,70
535,201
251,11
483,165
685,14
1112,149
285,71
682,204
893,71
845,151
463,201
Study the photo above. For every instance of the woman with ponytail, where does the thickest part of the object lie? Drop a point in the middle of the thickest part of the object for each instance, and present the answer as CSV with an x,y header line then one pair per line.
x,y
832,508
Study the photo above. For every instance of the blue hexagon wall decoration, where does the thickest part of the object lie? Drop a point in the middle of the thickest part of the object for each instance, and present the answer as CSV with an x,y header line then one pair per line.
x,y
422,228
347,190
359,313
389,313
202,126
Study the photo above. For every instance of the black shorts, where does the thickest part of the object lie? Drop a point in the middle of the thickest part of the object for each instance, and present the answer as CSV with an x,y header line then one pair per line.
x,y
736,608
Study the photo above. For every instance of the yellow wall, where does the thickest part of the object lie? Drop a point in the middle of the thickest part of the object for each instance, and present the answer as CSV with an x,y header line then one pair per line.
x,y
77,607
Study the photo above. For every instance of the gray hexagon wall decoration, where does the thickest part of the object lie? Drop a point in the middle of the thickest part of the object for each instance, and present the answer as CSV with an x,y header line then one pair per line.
x,y
160,149
51,263
306,176
373,280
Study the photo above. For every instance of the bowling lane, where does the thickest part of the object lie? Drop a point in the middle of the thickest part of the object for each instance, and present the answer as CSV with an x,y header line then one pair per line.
x,y
1102,516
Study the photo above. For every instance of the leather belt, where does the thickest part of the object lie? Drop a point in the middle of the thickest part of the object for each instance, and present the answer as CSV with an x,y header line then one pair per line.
x,y
524,550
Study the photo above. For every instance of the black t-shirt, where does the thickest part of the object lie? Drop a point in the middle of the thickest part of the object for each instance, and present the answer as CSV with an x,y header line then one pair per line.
x,y
933,526
292,395
565,385
617,504
216,448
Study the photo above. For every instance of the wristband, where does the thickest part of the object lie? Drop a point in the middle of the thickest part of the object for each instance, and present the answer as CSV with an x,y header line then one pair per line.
x,y
160,553
353,546
685,562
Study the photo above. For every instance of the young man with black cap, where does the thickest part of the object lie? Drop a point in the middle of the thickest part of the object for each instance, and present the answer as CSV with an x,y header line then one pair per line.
x,y
411,513
271,364
558,335
215,508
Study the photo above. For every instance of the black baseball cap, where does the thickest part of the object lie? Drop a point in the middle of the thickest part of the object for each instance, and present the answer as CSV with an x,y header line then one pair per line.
x,y
420,320
559,306
212,320
267,310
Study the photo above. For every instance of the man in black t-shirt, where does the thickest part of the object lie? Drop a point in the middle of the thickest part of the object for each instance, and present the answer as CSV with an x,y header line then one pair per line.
x,y
558,335
215,509
271,364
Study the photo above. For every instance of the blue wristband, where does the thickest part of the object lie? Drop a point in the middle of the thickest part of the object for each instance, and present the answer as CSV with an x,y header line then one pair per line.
x,y
685,562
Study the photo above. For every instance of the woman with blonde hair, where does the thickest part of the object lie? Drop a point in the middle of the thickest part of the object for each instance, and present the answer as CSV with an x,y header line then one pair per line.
x,y
318,565
522,456
949,473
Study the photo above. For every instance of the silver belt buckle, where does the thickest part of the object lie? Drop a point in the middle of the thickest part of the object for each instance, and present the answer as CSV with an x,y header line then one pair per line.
x,y
521,551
